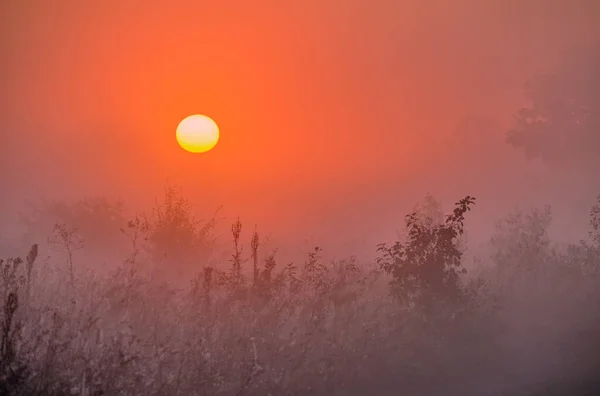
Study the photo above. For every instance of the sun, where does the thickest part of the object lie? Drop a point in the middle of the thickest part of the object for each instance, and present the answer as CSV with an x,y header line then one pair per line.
x,y
197,133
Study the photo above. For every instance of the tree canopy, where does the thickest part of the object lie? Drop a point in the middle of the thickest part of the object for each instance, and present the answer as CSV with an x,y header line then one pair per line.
x,y
561,124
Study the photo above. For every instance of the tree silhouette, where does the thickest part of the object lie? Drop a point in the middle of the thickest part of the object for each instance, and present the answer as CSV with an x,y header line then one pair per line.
x,y
95,218
176,236
521,246
561,125
595,222
426,268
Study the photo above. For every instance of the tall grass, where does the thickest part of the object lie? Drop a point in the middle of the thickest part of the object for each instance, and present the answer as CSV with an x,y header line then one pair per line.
x,y
260,327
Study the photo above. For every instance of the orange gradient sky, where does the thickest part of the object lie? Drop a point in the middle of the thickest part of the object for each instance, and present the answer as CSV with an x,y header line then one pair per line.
x,y
332,114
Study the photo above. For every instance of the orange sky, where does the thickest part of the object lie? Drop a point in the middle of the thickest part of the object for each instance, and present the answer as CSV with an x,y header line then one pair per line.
x,y
332,113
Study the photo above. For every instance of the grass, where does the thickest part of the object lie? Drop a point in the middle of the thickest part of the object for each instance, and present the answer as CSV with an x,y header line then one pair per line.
x,y
262,328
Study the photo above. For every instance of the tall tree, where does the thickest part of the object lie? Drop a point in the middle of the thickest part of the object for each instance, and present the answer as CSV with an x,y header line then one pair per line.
x,y
561,124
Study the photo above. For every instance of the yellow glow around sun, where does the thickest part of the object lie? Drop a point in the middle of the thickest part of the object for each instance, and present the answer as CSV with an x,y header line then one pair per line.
x,y
197,133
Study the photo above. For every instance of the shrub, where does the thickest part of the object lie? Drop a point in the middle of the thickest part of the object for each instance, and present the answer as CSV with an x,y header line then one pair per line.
x,y
175,236
426,268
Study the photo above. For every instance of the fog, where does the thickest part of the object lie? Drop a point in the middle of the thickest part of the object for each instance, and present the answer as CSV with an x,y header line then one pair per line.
x,y
316,101
336,119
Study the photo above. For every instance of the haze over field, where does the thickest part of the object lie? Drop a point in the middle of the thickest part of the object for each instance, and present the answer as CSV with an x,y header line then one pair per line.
x,y
267,264
335,118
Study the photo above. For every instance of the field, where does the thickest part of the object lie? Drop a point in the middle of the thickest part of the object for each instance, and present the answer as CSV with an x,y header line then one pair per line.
x,y
523,321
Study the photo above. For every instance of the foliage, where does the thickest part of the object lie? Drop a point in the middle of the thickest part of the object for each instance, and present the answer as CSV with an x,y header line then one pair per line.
x,y
429,212
561,126
66,239
521,242
314,328
96,220
136,230
13,371
595,222
586,254
175,236
428,265
314,272
236,258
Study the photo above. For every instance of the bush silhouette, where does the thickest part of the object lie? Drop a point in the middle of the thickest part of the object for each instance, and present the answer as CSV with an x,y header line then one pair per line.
x,y
426,268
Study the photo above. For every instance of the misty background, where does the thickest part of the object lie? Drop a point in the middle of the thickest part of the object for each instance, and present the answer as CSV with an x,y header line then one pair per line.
x,y
336,117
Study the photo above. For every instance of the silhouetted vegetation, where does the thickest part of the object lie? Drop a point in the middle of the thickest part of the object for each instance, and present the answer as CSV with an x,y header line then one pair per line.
x,y
522,321
426,269
93,219
315,327
561,125
175,234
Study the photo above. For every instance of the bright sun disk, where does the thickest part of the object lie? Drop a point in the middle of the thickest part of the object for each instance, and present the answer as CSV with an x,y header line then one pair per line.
x,y
197,133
